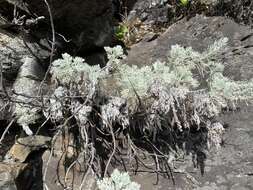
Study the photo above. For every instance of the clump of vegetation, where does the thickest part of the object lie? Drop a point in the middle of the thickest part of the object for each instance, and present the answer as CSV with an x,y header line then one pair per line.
x,y
131,30
121,32
73,70
155,112
190,72
128,30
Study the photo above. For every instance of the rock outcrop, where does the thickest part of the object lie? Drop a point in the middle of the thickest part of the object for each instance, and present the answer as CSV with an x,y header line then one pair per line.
x,y
14,53
198,33
22,167
87,24
149,11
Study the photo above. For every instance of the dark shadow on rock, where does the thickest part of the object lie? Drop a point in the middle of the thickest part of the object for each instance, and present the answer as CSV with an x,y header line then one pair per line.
x,y
33,177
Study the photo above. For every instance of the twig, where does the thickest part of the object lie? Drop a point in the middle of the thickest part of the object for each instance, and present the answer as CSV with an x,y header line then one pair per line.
x,y
157,169
114,143
63,37
52,48
68,170
71,166
2,82
90,165
4,106
38,130
6,130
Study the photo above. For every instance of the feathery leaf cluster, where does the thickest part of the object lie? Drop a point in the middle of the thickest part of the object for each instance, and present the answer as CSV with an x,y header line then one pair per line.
x,y
117,181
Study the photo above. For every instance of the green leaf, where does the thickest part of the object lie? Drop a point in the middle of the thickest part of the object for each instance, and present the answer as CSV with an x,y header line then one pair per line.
x,y
121,32
184,2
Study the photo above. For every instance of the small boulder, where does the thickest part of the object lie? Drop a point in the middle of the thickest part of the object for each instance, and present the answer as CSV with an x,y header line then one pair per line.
x,y
23,147
9,172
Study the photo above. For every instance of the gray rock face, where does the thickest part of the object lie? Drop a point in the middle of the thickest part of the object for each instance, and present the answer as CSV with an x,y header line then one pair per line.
x,y
149,11
163,11
26,87
199,32
13,50
14,53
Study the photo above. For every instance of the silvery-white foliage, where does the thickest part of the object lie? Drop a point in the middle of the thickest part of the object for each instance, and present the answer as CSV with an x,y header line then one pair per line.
x,y
165,98
206,62
56,104
74,70
176,72
117,181
168,100
133,79
224,90
185,72
190,85
81,112
115,111
114,55
204,104
26,115
215,133
73,77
